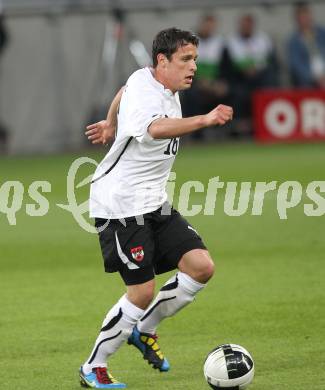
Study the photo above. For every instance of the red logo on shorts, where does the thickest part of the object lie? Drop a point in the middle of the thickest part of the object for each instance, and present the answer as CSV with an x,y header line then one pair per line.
x,y
137,253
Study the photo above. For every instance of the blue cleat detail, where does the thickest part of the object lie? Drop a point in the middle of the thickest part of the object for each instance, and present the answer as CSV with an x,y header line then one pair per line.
x,y
99,378
148,346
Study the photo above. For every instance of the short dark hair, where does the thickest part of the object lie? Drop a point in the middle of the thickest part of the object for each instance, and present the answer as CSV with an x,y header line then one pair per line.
x,y
298,4
301,7
168,41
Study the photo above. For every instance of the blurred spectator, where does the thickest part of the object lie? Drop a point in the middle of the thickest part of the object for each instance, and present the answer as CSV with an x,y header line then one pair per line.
x,y
3,43
306,50
253,66
209,87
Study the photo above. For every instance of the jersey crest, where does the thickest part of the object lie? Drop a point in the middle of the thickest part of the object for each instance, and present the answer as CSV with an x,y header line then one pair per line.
x,y
137,253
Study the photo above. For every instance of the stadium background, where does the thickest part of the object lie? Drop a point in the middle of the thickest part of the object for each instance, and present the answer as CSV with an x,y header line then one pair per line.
x,y
52,73
268,292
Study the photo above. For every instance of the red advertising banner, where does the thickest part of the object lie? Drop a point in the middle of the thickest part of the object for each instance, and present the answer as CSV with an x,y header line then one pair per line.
x,y
289,115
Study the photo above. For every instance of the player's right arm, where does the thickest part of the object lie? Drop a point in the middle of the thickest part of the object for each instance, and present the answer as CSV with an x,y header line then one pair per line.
x,y
104,131
176,127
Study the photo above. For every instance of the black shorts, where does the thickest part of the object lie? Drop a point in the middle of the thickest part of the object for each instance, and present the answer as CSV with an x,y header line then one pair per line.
x,y
139,251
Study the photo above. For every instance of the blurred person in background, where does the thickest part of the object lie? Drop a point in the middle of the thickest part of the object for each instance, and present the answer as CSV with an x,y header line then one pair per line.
x,y
306,50
209,86
3,43
253,66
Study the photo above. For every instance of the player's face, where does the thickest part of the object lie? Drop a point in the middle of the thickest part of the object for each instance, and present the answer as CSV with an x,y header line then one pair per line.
x,y
180,70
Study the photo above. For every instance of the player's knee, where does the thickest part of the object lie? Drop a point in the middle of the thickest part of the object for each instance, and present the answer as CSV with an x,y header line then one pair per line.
x,y
206,271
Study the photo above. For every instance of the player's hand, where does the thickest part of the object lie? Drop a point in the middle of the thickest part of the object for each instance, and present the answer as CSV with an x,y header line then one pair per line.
x,y
219,115
101,132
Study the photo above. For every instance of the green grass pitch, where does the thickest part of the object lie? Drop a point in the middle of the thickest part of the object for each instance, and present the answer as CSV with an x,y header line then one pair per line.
x,y
268,293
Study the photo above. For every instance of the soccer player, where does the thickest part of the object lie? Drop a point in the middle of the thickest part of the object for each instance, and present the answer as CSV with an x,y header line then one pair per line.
x,y
140,234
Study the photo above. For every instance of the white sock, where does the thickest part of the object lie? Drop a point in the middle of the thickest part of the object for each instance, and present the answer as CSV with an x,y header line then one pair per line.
x,y
178,292
116,328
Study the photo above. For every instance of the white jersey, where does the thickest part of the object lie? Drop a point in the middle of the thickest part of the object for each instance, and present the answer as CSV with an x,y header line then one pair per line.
x,y
255,49
210,49
132,177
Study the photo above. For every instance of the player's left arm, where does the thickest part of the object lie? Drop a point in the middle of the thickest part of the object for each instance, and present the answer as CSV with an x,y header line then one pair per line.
x,y
177,127
104,131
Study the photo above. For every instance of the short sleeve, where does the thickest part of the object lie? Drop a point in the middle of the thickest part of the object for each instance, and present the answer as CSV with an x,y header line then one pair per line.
x,y
140,106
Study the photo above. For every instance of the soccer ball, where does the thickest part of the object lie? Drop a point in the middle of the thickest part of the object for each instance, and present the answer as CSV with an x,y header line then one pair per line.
x,y
229,366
